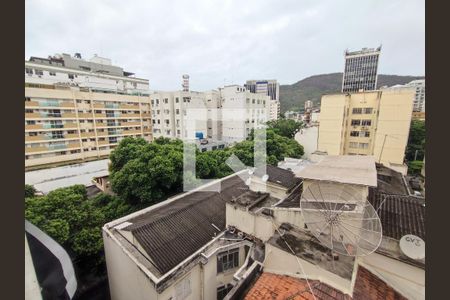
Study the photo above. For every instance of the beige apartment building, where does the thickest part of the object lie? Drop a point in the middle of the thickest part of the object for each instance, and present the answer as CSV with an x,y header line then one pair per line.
x,y
65,124
367,123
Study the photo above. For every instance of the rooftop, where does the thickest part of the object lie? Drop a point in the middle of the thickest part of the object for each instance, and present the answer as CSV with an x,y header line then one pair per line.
x,y
272,286
390,181
285,178
399,214
174,231
351,169
307,247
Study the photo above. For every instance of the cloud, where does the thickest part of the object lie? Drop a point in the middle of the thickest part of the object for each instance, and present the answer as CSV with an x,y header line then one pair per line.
x,y
219,42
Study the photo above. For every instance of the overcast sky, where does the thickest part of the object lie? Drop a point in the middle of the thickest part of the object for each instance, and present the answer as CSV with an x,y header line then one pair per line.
x,y
218,42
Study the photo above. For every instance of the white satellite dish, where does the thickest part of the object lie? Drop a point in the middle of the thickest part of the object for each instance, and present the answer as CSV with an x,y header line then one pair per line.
x,y
412,246
251,171
248,181
341,218
265,177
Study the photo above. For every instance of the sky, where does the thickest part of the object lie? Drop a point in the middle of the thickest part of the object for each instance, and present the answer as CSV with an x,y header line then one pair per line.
x,y
227,41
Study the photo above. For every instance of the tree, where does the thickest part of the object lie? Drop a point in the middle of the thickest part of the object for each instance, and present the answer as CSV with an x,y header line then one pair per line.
x,y
29,191
285,127
414,167
416,141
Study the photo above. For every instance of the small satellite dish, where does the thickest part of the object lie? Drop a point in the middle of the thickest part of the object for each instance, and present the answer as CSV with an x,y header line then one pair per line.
x,y
341,218
412,246
265,177
251,171
248,181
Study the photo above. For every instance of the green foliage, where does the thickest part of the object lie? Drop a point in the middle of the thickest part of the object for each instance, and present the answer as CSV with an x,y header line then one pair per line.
x,y
153,171
29,191
73,220
285,127
414,167
416,141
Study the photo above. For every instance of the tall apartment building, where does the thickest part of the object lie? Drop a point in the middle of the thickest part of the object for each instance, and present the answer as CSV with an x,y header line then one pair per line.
x,y
419,99
270,88
77,110
308,105
361,69
226,115
367,123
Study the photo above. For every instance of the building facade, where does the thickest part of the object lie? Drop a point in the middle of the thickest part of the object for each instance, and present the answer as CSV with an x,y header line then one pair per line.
x,y
242,110
361,69
367,123
270,88
77,110
227,114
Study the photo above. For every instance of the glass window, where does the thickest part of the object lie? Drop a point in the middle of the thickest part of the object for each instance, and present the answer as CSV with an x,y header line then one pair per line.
x,y
227,260
356,122
357,110
366,122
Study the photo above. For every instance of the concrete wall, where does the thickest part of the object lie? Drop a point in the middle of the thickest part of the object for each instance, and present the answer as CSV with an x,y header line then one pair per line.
x,y
406,279
258,225
275,191
126,279
393,125
331,124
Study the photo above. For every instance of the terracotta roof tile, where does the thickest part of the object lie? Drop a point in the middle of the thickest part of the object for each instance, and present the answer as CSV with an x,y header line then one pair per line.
x,y
369,287
282,287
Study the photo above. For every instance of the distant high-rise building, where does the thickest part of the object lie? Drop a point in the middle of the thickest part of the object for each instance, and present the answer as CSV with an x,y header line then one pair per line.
x,y
270,88
419,100
185,83
361,69
308,104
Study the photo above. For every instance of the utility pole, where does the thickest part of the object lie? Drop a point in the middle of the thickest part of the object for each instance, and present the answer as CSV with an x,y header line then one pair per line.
x,y
415,155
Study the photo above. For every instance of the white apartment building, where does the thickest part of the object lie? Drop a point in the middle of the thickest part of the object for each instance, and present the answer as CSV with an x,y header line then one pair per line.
x,y
172,110
226,115
242,110
98,74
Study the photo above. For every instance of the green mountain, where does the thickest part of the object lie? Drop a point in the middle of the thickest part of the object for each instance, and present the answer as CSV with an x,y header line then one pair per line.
x,y
293,97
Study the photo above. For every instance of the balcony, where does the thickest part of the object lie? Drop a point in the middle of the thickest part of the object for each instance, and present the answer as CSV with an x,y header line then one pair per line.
x,y
100,116
87,134
85,115
31,103
131,123
129,116
32,115
98,105
35,149
70,125
132,131
33,127
129,106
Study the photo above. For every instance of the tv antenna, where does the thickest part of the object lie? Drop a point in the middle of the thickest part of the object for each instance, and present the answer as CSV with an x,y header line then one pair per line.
x,y
341,218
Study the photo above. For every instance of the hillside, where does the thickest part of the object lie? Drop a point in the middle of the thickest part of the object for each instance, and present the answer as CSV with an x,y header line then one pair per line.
x,y
293,97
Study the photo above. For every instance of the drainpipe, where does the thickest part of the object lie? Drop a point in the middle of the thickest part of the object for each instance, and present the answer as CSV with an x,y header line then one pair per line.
x,y
202,275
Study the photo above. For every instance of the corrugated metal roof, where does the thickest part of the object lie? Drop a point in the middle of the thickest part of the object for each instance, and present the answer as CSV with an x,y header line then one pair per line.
x,y
173,232
399,214
285,178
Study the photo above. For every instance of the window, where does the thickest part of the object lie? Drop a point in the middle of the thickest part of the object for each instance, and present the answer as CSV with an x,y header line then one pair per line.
x,y
363,145
177,100
368,110
364,134
354,133
356,122
38,72
177,111
357,110
29,71
227,260
353,145
223,290
70,76
52,73
366,122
